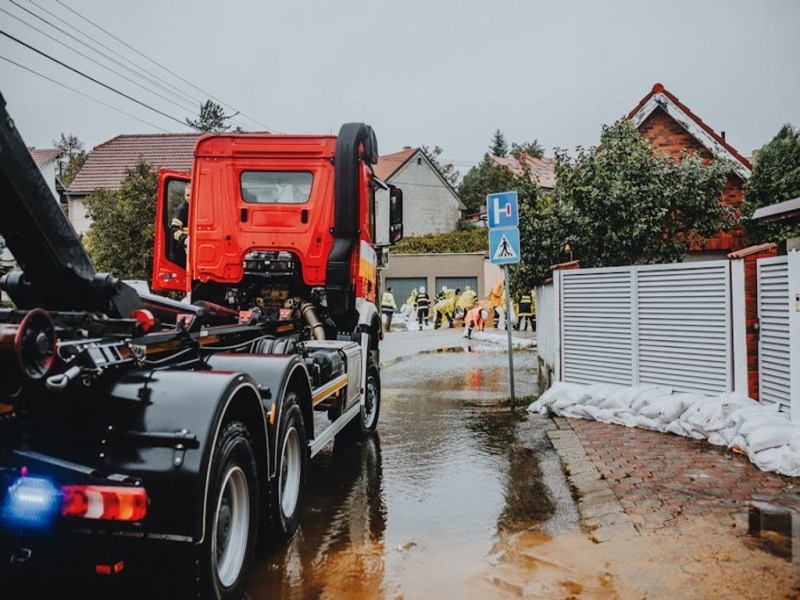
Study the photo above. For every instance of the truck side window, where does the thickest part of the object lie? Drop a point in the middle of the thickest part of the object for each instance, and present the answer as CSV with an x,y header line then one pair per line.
x,y
175,197
276,187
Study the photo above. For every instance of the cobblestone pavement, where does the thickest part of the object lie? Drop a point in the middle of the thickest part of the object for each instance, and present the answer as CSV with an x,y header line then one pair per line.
x,y
633,481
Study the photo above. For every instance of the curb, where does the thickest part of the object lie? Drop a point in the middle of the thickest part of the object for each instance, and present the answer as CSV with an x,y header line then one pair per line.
x,y
601,514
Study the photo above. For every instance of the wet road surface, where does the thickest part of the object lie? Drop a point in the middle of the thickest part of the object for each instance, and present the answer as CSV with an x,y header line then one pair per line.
x,y
417,511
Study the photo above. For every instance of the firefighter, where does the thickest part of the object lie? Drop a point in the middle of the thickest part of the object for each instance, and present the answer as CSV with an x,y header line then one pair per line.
x,y
388,306
496,299
504,321
525,313
474,319
445,307
422,305
467,299
179,228
407,311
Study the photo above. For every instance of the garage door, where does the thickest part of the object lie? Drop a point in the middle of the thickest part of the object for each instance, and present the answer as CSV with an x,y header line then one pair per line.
x,y
402,287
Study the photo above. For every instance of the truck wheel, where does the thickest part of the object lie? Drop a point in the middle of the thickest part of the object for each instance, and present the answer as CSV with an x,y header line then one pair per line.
x,y
231,515
286,487
367,421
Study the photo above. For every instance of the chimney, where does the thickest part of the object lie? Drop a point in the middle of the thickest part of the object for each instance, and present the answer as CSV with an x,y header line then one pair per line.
x,y
722,135
406,147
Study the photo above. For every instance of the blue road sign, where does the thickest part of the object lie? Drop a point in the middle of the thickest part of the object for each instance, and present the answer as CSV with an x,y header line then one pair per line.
x,y
504,246
501,209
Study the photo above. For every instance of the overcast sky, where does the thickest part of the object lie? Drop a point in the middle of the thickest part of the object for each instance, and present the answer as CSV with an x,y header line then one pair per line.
x,y
421,72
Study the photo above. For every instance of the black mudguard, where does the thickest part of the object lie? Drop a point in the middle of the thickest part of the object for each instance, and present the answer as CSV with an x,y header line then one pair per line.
x,y
274,374
164,431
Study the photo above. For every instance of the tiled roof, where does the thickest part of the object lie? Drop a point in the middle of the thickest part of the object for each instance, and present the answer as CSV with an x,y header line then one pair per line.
x,y
660,97
389,165
106,165
42,156
542,170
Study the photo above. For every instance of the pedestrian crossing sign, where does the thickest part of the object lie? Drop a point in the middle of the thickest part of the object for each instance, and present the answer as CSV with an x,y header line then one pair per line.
x,y
504,246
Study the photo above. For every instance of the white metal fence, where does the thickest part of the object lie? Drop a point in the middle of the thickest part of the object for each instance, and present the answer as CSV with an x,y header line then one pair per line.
x,y
661,324
678,325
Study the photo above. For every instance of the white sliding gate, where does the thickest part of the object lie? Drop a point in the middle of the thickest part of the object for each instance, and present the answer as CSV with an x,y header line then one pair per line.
x,y
656,324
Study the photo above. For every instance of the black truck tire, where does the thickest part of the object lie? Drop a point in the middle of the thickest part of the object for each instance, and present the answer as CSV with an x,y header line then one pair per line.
x,y
366,422
286,488
227,552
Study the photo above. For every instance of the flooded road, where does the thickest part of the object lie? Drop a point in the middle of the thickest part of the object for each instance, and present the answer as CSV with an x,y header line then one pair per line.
x,y
417,511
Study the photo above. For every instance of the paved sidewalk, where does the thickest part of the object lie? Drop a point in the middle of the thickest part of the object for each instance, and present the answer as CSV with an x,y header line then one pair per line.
x,y
634,481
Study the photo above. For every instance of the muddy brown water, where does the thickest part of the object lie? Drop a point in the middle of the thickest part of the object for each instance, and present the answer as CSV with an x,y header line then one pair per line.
x,y
458,497
417,510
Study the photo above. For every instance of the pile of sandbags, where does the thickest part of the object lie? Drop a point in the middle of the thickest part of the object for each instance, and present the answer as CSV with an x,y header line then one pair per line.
x,y
766,435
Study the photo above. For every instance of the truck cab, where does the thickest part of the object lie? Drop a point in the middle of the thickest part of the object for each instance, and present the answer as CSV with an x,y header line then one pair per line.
x,y
276,217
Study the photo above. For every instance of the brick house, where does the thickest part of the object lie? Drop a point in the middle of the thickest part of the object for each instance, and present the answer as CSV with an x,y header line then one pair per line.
x,y
106,165
672,128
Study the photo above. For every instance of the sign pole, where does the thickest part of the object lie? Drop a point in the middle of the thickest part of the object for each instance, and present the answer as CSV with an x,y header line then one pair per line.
x,y
510,345
502,217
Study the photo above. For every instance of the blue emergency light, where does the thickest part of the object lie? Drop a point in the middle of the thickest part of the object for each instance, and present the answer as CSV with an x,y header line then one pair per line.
x,y
30,503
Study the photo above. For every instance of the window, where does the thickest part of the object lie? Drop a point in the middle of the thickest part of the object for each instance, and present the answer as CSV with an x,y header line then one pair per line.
x,y
276,187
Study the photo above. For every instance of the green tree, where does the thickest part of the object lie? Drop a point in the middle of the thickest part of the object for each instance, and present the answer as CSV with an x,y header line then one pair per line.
x,y
533,148
775,178
212,118
447,170
120,238
484,179
499,146
624,204
71,158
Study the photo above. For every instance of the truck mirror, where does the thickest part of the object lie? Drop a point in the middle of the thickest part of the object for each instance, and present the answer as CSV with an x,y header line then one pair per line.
x,y
395,215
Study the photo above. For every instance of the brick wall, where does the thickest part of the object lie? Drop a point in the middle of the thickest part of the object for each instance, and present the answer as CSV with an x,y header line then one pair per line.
x,y
750,256
667,136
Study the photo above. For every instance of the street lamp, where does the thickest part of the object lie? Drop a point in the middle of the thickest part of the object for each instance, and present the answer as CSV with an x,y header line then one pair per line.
x,y
568,250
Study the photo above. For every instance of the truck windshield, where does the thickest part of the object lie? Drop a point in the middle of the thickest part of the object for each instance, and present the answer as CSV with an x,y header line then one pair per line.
x,y
276,187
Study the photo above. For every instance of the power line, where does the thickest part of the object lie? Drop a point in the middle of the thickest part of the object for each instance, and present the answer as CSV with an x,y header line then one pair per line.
x,y
82,94
108,33
166,87
90,78
79,53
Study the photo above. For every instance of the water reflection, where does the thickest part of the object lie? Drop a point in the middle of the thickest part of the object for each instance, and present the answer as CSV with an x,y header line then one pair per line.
x,y
339,549
417,513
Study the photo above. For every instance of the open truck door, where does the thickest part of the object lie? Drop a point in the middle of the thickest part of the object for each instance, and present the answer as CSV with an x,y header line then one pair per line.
x,y
169,257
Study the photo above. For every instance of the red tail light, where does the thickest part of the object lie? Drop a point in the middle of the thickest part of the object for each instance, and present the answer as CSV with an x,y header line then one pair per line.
x,y
109,503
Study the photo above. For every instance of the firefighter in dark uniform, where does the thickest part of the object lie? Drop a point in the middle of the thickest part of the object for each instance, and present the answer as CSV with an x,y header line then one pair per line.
x,y
179,228
422,305
525,313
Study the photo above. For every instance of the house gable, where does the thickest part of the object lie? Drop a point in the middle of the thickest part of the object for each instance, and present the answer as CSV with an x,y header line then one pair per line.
x,y
671,127
430,204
